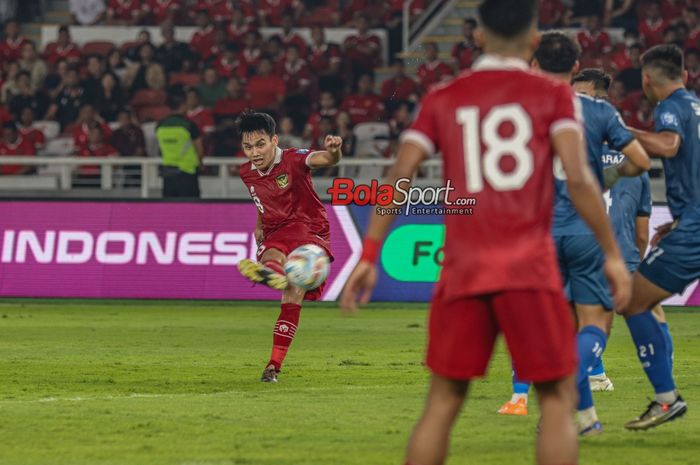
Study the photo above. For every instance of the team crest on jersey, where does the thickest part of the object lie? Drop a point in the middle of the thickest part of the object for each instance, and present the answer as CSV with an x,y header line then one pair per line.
x,y
669,118
282,181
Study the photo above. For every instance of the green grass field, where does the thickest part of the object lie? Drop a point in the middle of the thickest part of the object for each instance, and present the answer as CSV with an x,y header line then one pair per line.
x,y
84,382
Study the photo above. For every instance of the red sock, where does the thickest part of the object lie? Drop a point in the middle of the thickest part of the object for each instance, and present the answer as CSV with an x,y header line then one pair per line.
x,y
274,266
285,329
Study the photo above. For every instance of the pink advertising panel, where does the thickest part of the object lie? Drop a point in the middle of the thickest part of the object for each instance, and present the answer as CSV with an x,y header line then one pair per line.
x,y
149,250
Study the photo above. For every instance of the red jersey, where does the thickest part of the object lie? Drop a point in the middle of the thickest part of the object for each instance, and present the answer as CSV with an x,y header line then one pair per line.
x,y
161,9
551,12
80,134
265,91
33,135
228,69
294,39
462,52
54,53
315,120
594,43
95,150
432,73
272,10
284,193
363,50
497,120
363,108
321,58
124,10
203,118
400,88
202,41
296,75
652,31
236,33
10,50
21,146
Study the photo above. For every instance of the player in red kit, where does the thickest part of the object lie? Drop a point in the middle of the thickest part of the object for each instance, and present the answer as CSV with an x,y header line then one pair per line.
x,y
500,271
290,215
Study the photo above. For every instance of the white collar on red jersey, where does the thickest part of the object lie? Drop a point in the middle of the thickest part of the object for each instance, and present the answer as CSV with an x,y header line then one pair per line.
x,y
495,62
278,158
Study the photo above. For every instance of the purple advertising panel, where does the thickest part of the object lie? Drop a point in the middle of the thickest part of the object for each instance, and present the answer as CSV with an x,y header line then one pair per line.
x,y
148,250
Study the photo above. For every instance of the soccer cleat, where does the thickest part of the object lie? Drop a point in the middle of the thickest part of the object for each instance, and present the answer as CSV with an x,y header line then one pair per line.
x,y
657,414
517,408
594,429
269,375
258,273
600,383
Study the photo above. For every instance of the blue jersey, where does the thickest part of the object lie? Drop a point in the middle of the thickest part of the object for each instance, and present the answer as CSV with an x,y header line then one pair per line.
x,y
627,200
680,113
602,124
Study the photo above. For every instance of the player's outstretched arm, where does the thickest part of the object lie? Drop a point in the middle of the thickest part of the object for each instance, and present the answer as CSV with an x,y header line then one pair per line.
x,y
329,157
364,277
663,144
583,187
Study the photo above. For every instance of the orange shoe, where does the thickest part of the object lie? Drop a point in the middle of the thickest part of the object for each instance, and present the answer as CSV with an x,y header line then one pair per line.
x,y
518,408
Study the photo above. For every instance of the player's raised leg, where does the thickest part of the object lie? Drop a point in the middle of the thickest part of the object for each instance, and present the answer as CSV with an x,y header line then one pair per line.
x,y
268,270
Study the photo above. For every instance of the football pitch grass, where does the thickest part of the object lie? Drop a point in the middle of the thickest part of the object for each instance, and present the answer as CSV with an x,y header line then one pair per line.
x,y
131,382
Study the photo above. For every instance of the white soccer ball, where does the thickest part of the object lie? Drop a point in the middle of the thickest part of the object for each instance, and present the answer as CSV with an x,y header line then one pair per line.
x,y
307,267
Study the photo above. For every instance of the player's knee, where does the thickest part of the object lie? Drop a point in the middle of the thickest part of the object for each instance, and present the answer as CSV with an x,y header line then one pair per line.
x,y
275,255
293,295
557,394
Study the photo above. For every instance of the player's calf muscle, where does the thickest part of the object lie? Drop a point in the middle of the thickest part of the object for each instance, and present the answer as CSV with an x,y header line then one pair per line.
x,y
273,254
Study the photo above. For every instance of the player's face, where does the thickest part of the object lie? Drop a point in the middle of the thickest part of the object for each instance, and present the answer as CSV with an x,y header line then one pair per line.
x,y
259,148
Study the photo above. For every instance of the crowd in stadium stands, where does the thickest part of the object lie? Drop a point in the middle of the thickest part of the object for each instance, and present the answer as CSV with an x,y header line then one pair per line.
x,y
101,94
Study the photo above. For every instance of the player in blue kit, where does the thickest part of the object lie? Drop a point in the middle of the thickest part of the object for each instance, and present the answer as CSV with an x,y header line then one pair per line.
x,y
580,258
674,261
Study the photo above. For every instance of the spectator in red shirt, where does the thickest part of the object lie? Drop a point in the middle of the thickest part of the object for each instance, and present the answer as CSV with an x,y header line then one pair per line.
x,y
218,45
362,50
691,16
327,108
62,49
297,82
95,147
86,118
228,64
129,141
270,11
325,60
199,115
398,87
289,37
124,12
692,65
13,144
28,131
643,115
671,10
238,28
11,46
652,27
201,40
274,50
364,105
433,70
551,13
234,103
593,40
619,98
266,91
628,58
462,51
252,52
161,11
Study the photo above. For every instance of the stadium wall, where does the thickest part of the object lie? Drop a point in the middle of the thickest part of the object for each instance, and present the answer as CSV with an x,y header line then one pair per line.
x,y
188,250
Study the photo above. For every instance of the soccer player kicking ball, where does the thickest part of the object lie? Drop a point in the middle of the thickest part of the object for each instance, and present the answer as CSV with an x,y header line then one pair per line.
x,y
674,261
290,215
500,268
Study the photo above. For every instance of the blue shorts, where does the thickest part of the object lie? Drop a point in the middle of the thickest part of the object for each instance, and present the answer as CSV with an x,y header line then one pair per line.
x,y
581,265
675,262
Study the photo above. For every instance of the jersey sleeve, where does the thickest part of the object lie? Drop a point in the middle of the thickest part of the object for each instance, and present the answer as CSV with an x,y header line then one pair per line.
x,y
667,117
423,132
299,158
618,134
567,110
644,208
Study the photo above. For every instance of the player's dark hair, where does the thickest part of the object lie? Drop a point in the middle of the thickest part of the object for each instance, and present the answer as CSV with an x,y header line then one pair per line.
x,y
256,122
471,21
175,98
667,59
558,52
508,18
600,79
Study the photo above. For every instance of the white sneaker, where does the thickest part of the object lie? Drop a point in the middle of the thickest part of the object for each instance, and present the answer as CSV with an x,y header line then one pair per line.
x,y
600,383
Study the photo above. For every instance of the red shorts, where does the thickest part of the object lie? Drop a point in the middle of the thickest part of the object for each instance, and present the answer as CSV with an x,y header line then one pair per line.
x,y
289,238
537,324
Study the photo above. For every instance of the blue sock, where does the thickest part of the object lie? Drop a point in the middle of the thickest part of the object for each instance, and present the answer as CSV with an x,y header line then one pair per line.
x,y
669,343
519,386
590,342
650,341
598,368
